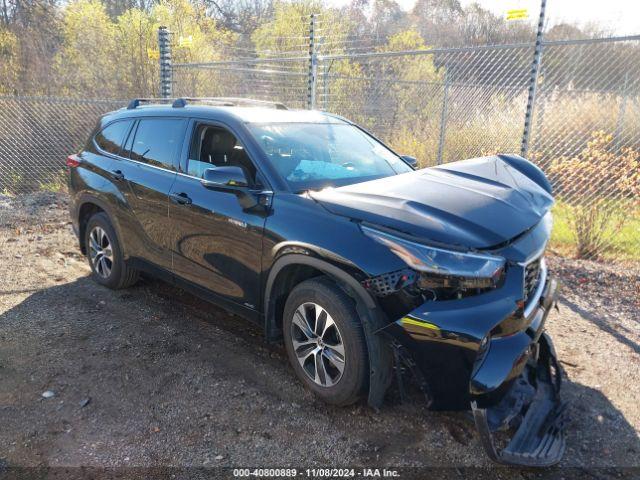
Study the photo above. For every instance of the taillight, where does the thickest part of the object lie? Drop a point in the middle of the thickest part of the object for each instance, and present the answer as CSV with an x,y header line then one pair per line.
x,y
72,161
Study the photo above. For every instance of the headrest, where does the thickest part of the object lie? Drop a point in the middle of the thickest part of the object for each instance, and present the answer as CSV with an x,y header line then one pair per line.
x,y
222,142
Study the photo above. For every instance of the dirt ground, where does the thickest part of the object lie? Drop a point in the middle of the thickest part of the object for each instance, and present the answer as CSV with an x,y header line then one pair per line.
x,y
152,376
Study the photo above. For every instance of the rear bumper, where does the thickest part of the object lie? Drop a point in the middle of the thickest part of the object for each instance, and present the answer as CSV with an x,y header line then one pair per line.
x,y
73,213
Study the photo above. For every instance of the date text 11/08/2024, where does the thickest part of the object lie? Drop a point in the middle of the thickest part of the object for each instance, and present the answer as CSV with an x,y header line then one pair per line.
x,y
317,472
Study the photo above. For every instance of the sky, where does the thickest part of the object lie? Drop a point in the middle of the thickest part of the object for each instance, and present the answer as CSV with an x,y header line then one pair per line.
x,y
622,17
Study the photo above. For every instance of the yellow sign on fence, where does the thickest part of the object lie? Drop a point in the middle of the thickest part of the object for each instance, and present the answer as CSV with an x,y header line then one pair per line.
x,y
153,54
517,14
186,42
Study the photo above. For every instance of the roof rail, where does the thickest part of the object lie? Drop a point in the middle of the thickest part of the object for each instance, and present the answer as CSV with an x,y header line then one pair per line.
x,y
136,102
218,101
229,102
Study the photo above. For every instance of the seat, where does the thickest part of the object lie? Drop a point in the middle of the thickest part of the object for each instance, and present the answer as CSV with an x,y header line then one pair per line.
x,y
205,145
218,149
221,149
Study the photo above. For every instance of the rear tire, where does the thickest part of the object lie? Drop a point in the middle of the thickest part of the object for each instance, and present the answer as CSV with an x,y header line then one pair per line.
x,y
105,256
325,342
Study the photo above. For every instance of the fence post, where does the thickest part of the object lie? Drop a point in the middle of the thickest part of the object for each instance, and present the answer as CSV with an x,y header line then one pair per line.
x,y
164,46
443,116
313,65
533,81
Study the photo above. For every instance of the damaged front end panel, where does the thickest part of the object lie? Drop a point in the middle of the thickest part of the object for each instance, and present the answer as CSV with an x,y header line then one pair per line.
x,y
467,305
529,420
482,346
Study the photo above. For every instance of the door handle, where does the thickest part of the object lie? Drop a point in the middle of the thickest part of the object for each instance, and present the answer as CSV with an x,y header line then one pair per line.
x,y
180,198
117,174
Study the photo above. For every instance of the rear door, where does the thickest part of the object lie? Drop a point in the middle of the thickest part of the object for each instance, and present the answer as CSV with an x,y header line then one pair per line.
x,y
218,245
147,172
107,146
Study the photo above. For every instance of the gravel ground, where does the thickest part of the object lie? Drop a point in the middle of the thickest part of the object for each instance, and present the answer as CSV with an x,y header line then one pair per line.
x,y
152,376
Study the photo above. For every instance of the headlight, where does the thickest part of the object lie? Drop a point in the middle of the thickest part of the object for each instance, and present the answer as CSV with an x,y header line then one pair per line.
x,y
468,269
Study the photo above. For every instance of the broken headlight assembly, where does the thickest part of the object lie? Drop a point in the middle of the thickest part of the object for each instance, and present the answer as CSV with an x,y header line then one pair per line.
x,y
444,273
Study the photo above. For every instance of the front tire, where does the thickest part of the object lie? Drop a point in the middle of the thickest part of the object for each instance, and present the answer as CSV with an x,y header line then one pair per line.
x,y
104,253
325,341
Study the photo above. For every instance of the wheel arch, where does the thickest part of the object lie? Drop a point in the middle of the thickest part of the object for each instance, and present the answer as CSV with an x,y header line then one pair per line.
x,y
291,269
88,205
302,267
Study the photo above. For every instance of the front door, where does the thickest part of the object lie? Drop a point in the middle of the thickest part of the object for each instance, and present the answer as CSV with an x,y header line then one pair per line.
x,y
218,244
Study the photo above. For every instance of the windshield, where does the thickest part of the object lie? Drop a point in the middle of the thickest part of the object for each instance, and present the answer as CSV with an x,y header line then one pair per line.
x,y
312,156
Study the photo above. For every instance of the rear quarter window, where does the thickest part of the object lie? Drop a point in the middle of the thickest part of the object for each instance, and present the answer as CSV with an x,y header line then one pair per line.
x,y
110,138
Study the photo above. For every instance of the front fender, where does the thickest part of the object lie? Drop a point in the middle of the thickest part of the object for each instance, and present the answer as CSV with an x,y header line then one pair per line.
x,y
380,354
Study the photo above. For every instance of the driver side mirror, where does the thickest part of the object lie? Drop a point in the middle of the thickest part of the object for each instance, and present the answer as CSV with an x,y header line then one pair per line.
x,y
233,180
411,161
224,178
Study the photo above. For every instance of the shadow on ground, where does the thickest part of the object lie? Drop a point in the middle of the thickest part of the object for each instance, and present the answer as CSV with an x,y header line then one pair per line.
x,y
604,325
154,376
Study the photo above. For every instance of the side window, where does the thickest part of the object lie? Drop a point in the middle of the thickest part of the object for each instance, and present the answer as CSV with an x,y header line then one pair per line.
x,y
110,138
217,147
157,141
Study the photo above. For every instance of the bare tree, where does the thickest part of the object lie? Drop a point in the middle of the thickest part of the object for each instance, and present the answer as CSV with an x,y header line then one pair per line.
x,y
240,16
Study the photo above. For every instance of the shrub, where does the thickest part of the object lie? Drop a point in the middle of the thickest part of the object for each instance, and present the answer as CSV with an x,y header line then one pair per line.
x,y
601,188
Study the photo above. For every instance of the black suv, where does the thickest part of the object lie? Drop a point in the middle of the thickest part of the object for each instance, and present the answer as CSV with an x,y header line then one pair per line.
x,y
370,271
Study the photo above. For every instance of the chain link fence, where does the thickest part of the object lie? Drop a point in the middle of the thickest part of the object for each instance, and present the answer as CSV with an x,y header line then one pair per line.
x,y
586,136
446,104
38,133
439,104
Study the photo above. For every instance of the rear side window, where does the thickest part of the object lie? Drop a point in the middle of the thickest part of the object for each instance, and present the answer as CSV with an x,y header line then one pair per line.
x,y
157,141
110,138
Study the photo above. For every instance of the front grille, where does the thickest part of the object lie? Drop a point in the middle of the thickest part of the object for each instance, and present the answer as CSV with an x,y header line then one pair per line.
x,y
531,278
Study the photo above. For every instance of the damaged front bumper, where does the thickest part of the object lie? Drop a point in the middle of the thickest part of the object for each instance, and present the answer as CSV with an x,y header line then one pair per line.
x,y
490,352
526,427
531,414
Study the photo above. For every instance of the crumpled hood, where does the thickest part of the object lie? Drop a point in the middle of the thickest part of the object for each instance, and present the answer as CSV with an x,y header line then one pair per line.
x,y
477,203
